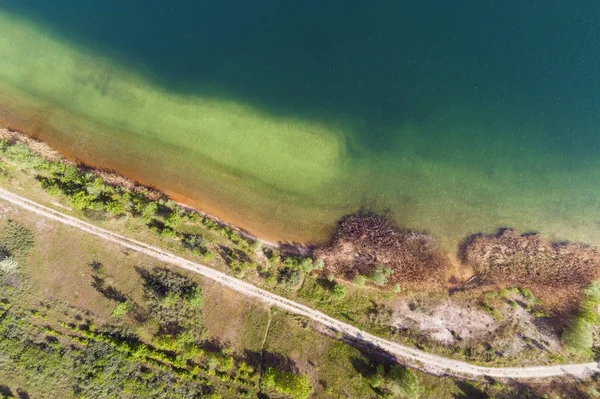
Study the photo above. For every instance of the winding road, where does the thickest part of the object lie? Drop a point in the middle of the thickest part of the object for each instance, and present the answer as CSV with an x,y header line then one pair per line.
x,y
424,361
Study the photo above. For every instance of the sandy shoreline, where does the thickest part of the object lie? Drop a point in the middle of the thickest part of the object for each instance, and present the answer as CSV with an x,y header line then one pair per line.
x,y
113,178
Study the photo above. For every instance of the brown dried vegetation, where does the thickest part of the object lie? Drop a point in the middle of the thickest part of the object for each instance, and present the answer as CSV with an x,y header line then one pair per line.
x,y
556,273
364,241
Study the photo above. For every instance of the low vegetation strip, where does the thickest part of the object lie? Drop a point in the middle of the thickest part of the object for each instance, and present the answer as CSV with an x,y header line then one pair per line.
x,y
424,361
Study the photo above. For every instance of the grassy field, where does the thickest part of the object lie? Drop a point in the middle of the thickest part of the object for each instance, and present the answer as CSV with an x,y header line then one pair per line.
x,y
55,297
63,334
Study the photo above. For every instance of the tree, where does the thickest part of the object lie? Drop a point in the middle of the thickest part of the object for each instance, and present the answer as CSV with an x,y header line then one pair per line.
x,y
256,246
148,211
175,300
377,379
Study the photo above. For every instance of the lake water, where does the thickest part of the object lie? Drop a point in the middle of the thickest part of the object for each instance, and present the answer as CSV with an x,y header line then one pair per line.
x,y
454,117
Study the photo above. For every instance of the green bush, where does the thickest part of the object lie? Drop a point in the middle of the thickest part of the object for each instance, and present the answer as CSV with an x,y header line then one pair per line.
x,y
297,386
338,291
121,309
380,275
318,264
289,277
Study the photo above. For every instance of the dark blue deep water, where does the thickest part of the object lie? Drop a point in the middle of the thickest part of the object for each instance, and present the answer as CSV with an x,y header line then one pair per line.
x,y
385,62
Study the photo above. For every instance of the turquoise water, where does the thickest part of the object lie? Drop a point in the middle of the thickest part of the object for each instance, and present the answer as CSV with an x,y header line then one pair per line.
x,y
456,116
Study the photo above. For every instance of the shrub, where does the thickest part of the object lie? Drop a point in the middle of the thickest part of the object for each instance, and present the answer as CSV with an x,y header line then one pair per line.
x,y
16,239
306,265
555,272
338,291
364,241
121,309
290,278
297,386
318,264
380,275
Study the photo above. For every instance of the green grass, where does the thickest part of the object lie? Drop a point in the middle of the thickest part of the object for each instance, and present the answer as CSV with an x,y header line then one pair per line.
x,y
57,320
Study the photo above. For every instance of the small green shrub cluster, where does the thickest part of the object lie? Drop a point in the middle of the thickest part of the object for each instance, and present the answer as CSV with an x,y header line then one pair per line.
x,y
380,275
121,309
291,271
16,239
19,155
297,386
397,382
175,300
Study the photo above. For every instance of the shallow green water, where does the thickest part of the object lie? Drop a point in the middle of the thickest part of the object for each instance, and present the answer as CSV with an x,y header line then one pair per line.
x,y
456,119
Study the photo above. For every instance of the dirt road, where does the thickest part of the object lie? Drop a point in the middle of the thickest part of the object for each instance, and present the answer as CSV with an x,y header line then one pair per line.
x,y
424,361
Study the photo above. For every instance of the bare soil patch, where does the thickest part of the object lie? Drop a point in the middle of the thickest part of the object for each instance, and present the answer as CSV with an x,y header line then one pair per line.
x,y
446,322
